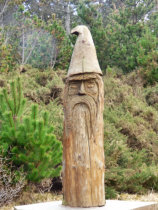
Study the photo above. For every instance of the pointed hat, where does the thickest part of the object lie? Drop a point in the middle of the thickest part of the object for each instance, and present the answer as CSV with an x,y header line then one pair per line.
x,y
84,57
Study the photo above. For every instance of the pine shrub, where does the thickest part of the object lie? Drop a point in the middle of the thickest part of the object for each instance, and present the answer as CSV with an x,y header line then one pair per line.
x,y
28,140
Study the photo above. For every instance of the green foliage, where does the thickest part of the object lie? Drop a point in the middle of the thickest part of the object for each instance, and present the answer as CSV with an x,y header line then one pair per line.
x,y
90,17
43,42
110,192
151,95
11,107
28,140
45,88
149,69
122,44
153,23
118,44
7,61
130,140
130,126
63,47
30,40
29,34
43,55
137,10
124,41
148,57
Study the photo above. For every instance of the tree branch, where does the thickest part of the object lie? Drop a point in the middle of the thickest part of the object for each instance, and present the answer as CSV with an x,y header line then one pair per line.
x,y
4,8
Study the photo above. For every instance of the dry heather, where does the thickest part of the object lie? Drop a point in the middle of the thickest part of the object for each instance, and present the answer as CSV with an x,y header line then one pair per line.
x,y
30,198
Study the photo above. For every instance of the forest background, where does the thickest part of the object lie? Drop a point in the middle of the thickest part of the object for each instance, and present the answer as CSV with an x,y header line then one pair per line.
x,y
35,52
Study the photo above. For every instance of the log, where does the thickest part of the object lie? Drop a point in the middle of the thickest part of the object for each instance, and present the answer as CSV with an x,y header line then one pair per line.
x,y
83,155
83,147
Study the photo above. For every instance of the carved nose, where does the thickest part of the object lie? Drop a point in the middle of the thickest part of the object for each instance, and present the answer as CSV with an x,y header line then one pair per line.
x,y
82,90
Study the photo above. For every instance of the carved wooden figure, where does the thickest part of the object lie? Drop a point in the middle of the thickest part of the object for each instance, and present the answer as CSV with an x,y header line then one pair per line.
x,y
83,155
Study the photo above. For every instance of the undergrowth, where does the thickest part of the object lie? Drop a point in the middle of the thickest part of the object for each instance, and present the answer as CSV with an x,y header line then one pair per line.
x,y
131,140
130,124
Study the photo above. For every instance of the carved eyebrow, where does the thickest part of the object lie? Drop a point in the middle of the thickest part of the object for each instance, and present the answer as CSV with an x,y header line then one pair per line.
x,y
90,84
91,81
74,86
74,81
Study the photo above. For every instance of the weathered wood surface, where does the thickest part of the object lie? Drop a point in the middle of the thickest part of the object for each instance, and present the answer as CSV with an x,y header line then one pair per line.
x,y
84,57
83,155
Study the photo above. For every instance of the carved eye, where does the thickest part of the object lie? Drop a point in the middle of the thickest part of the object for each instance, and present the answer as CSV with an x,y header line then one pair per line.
x,y
74,86
91,84
91,87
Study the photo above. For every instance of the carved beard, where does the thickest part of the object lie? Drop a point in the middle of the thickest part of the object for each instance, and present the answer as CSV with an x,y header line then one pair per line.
x,y
79,109
82,111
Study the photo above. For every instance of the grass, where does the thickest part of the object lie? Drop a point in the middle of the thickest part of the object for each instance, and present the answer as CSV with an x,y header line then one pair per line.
x,y
149,197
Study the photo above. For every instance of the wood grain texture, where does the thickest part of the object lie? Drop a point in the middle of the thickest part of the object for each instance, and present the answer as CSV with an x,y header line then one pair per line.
x,y
84,57
83,155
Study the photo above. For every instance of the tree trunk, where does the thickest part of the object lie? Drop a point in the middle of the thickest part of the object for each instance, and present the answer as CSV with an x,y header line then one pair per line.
x,y
23,46
67,19
156,5
83,155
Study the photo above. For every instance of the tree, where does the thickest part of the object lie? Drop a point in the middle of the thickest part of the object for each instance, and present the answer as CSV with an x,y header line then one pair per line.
x,y
7,9
138,10
7,53
116,43
148,56
122,37
28,140
89,16
63,10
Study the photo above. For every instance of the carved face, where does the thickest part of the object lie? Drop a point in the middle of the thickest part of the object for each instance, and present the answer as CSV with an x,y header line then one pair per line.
x,y
83,87
82,98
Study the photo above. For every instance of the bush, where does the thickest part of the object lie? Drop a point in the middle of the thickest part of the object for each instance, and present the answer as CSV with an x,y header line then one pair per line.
x,y
7,61
151,95
148,57
130,139
28,139
11,182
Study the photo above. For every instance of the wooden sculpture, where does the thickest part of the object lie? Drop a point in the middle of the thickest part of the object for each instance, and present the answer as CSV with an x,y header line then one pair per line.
x,y
83,155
